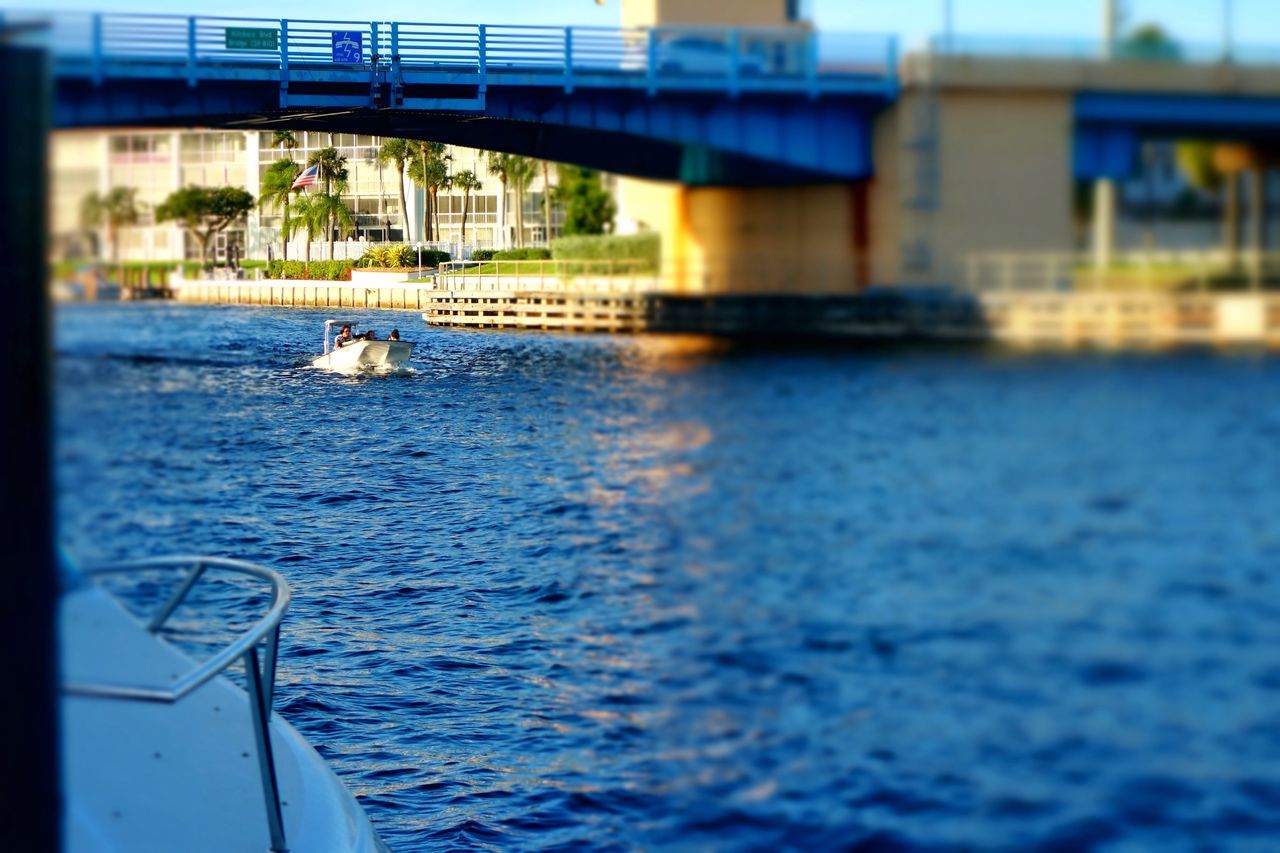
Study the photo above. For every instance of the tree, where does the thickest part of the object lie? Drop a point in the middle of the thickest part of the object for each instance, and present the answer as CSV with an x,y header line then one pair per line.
x,y
1195,161
588,206
521,171
465,181
1149,41
112,211
307,216
205,211
334,174
515,172
496,163
546,200
333,214
284,139
398,152
429,169
277,192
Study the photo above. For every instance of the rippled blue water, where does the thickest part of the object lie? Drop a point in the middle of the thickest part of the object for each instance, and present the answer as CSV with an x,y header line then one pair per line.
x,y
629,592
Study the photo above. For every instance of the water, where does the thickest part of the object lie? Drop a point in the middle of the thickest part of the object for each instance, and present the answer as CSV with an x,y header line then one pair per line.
x,y
622,593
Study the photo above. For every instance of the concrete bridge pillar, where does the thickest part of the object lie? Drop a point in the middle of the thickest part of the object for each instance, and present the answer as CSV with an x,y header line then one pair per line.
x,y
810,239
807,239
1104,222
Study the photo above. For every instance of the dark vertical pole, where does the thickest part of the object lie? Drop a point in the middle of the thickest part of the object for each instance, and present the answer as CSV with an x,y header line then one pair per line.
x,y
31,659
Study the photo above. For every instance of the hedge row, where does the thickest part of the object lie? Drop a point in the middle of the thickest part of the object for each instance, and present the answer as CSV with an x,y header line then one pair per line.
x,y
609,247
190,269
319,271
527,254
70,269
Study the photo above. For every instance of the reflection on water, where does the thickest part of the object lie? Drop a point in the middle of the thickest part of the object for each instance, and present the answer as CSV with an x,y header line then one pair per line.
x,y
642,592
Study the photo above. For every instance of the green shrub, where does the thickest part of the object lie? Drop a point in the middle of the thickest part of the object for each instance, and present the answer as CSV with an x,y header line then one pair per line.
x,y
645,247
526,254
483,255
399,256
320,270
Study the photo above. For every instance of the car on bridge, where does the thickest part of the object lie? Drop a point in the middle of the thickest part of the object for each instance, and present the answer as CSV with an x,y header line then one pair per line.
x,y
707,56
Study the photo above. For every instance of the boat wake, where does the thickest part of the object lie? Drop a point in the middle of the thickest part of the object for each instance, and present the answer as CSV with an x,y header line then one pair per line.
x,y
360,370
157,359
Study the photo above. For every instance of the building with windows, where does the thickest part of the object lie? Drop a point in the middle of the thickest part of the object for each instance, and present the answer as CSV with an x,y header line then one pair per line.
x,y
157,162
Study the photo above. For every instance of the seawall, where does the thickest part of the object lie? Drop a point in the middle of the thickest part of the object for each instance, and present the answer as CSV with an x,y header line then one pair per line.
x,y
1052,320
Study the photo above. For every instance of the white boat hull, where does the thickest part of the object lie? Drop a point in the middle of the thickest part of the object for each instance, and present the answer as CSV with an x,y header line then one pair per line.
x,y
360,356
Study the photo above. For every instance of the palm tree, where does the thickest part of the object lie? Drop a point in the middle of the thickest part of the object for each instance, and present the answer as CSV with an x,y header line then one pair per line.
x,y
112,211
514,171
465,181
397,151
497,162
333,213
284,139
429,169
277,192
333,171
439,179
306,216
546,201
520,171
417,176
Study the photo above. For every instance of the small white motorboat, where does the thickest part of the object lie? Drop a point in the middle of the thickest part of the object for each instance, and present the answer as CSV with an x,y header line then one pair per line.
x,y
361,355
160,753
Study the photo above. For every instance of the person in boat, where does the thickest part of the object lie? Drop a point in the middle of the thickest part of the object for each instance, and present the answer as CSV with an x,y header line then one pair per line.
x,y
394,336
343,338
370,335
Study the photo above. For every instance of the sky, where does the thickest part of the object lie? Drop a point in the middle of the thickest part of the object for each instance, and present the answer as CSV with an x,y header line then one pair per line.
x,y
1254,21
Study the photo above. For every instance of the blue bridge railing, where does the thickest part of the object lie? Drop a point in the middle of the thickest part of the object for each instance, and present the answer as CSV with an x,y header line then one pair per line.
x,y
728,59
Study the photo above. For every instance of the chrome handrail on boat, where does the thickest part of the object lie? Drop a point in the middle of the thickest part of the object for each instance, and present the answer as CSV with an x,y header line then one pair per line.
x,y
259,672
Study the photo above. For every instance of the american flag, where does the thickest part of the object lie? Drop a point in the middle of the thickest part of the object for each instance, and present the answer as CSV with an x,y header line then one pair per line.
x,y
309,178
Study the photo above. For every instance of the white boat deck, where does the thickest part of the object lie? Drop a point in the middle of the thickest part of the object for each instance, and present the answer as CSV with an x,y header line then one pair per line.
x,y
153,776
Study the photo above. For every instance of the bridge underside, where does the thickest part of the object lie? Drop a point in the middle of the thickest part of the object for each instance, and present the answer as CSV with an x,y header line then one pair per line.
x,y
697,139
1111,126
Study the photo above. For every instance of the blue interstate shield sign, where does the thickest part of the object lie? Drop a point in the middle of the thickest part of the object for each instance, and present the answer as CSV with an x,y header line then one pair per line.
x,y
348,47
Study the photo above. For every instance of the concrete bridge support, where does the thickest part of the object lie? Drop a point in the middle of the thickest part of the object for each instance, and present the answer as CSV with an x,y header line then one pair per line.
x,y
1104,222
758,240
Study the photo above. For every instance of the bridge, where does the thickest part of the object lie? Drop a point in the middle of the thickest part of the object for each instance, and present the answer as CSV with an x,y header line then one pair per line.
x,y
701,105
884,168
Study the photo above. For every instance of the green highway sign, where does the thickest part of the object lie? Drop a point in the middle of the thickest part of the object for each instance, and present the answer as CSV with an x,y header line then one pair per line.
x,y
251,38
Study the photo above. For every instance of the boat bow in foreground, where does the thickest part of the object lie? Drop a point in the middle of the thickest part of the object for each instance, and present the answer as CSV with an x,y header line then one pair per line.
x,y
161,753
